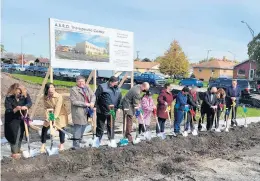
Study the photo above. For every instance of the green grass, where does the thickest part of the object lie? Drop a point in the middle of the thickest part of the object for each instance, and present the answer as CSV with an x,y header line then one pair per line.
x,y
252,112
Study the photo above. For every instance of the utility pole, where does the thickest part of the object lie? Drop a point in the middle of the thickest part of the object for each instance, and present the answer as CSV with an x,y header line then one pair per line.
x,y
234,55
208,54
137,54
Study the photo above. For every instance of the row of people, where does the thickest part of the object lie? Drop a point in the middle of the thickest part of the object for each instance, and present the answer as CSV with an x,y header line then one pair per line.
x,y
83,100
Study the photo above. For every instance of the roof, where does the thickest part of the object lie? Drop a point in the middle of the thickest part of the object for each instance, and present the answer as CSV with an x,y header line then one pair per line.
x,y
243,62
43,60
145,65
217,64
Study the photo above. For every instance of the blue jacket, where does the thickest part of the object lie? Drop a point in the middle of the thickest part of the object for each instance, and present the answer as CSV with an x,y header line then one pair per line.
x,y
230,92
181,101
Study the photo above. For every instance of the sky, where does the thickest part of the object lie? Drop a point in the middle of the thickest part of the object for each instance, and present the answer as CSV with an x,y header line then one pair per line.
x,y
72,38
198,25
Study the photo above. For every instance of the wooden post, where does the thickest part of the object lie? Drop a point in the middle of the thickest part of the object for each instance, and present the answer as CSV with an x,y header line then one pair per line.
x,y
132,79
39,95
123,80
51,74
95,80
90,77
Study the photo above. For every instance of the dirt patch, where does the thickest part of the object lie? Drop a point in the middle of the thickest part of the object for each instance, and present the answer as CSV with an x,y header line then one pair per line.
x,y
172,158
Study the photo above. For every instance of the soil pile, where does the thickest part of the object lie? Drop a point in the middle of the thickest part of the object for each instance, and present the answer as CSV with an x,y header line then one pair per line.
x,y
170,159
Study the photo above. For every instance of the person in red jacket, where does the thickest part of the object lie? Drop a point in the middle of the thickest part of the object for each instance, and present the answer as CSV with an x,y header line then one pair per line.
x,y
164,100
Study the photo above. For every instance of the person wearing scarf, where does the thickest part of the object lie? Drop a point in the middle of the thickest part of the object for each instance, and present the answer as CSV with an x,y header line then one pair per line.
x,y
82,99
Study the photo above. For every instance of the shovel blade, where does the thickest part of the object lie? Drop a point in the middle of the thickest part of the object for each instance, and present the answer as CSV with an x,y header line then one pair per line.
x,y
136,141
194,132
123,142
53,151
185,134
148,135
31,153
96,142
112,143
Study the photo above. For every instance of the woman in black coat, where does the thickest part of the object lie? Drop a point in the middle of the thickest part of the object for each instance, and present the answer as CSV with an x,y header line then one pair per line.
x,y
16,100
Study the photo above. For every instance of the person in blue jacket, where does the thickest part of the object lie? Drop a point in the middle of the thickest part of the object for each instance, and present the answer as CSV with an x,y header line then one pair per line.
x,y
233,94
181,102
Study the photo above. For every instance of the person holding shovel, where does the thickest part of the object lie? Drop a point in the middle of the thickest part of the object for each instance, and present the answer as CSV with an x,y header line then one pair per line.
x,y
82,102
179,108
147,106
210,106
17,101
130,102
108,97
193,101
54,100
165,100
233,94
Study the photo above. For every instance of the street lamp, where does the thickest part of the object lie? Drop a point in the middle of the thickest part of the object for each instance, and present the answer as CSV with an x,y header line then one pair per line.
x,y
253,35
234,55
22,38
250,29
208,54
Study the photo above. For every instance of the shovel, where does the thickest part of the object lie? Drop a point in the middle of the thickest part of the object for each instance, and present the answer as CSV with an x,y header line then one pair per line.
x,y
95,140
194,131
147,134
29,152
234,113
171,133
52,150
137,139
112,142
124,140
227,117
245,111
185,133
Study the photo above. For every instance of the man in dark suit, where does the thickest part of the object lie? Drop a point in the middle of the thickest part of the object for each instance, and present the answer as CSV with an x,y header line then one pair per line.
x,y
233,94
210,106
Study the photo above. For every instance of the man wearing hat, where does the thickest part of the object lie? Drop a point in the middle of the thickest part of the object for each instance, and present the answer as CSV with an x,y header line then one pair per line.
x,y
107,94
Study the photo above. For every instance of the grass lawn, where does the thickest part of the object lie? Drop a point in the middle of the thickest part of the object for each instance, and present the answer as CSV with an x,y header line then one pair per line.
x,y
252,112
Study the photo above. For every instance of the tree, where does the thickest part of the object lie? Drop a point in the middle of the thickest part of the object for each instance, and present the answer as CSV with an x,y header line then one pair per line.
x,y
205,60
2,48
146,60
254,51
174,61
158,59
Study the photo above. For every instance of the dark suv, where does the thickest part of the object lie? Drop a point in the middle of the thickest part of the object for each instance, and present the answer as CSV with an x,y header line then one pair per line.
x,y
225,83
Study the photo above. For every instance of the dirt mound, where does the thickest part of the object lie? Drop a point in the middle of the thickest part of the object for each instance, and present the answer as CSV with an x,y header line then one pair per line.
x,y
174,158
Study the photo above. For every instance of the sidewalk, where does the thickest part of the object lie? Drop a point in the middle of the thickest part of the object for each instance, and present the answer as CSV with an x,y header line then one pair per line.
x,y
5,149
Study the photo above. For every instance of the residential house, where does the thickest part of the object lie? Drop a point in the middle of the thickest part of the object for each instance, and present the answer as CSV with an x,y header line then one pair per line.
x,y
245,70
146,66
214,68
44,62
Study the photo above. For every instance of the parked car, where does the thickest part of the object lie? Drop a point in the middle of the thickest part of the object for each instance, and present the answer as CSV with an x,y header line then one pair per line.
x,y
224,83
128,79
73,73
191,82
85,72
6,67
152,79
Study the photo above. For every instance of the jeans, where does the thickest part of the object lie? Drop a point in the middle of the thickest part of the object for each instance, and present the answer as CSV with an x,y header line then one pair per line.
x,y
101,119
177,122
44,135
16,148
78,131
161,122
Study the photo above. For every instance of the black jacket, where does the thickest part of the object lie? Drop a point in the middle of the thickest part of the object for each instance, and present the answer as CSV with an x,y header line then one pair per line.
x,y
13,120
105,96
207,103
193,102
232,93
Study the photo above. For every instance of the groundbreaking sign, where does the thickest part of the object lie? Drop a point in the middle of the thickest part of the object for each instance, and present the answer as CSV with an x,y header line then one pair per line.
x,y
82,46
